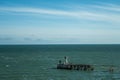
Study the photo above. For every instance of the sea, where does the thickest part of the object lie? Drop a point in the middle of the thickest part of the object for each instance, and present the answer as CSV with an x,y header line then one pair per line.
x,y
38,62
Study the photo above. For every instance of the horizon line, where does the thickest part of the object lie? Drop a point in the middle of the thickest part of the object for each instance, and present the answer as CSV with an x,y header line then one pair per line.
x,y
62,44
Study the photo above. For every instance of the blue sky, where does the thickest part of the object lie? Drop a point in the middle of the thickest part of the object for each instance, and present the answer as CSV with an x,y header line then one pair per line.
x,y
59,22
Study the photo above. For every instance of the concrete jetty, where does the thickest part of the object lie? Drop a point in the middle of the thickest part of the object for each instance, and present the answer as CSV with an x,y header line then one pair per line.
x,y
69,66
82,67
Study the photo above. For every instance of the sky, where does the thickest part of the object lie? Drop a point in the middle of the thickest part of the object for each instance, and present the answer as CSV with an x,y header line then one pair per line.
x,y
59,21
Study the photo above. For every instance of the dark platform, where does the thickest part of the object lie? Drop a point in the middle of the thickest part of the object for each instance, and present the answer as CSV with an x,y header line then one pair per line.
x,y
82,67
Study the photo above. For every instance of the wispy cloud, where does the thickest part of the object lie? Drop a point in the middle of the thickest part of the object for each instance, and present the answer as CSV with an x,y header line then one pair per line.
x,y
108,6
81,14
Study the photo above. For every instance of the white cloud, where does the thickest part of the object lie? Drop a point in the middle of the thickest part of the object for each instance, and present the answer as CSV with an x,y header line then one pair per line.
x,y
79,14
110,7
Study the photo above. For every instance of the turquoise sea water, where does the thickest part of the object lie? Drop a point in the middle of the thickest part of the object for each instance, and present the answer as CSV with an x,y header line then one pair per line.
x,y
38,62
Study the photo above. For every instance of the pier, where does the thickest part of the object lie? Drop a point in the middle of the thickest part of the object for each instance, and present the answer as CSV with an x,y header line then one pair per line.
x,y
69,66
82,67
